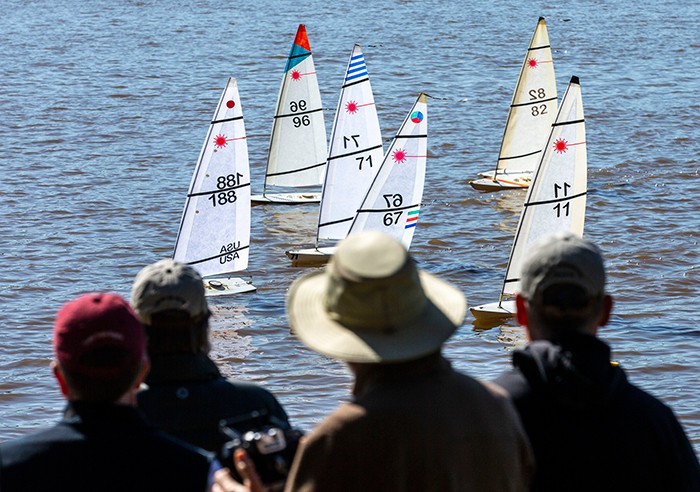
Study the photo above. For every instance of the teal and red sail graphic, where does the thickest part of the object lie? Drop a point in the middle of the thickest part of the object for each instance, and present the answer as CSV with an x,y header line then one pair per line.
x,y
301,49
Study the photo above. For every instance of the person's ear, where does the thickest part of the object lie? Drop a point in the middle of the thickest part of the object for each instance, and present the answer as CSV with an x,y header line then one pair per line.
x,y
520,310
145,369
606,310
60,378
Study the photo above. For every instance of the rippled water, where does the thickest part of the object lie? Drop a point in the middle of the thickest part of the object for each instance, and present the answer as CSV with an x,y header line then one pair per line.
x,y
105,105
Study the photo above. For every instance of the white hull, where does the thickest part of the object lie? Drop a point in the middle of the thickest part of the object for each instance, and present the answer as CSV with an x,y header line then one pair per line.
x,y
223,286
494,311
506,174
288,198
503,182
310,256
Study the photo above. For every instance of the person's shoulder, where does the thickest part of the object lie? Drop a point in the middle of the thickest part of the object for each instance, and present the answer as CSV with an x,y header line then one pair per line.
x,y
480,386
172,445
512,382
61,431
243,386
36,445
247,391
346,416
635,397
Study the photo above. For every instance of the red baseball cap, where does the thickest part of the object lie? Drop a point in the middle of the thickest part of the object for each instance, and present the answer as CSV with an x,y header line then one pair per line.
x,y
96,321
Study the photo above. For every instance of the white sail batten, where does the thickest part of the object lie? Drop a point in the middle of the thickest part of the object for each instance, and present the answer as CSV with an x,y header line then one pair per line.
x,y
392,204
556,200
297,152
214,234
355,152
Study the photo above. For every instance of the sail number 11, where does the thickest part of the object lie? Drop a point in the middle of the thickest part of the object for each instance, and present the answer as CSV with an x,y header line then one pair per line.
x,y
225,194
562,208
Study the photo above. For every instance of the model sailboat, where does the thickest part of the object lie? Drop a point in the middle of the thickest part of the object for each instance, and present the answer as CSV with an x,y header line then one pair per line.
x,y
532,111
214,234
392,202
556,200
297,153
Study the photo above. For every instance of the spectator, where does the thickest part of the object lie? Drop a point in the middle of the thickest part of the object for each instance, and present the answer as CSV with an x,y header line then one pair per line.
x,y
102,442
185,393
590,428
414,423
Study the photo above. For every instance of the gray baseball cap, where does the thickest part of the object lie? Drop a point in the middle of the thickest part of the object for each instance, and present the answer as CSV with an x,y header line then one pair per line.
x,y
168,285
562,259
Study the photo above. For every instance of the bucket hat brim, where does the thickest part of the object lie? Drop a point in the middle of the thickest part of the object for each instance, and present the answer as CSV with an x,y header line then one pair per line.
x,y
311,322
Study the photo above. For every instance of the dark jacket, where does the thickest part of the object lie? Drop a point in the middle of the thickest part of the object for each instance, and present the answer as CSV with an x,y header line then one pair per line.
x,y
187,396
101,447
590,428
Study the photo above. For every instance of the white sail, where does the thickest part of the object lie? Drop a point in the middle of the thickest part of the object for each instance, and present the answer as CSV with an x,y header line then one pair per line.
x,y
556,199
393,202
297,153
355,152
532,110
214,233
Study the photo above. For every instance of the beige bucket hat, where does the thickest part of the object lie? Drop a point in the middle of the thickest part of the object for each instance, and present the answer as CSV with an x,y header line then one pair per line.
x,y
372,304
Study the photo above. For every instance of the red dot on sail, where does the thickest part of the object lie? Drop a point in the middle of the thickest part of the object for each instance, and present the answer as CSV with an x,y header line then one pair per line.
x,y
351,107
295,75
220,141
230,104
399,155
532,63
560,145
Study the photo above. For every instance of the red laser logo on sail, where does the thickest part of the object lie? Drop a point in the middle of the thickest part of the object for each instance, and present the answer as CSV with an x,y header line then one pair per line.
x,y
351,107
230,104
295,75
220,141
399,156
532,63
561,146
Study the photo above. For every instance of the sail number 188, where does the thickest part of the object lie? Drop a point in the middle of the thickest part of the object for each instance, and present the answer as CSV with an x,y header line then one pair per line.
x,y
225,194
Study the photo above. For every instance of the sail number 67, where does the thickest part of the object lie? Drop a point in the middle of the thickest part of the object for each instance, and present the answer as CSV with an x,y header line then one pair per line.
x,y
392,201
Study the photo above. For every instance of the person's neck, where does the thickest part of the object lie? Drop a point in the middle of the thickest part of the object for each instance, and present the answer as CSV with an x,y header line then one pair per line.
x,y
367,374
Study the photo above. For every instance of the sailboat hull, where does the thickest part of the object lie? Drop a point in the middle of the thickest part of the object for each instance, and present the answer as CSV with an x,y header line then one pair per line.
x,y
310,256
286,198
494,311
224,286
503,182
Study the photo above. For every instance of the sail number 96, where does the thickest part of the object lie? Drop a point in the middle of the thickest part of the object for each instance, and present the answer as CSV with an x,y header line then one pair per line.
x,y
299,105
299,121
392,201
